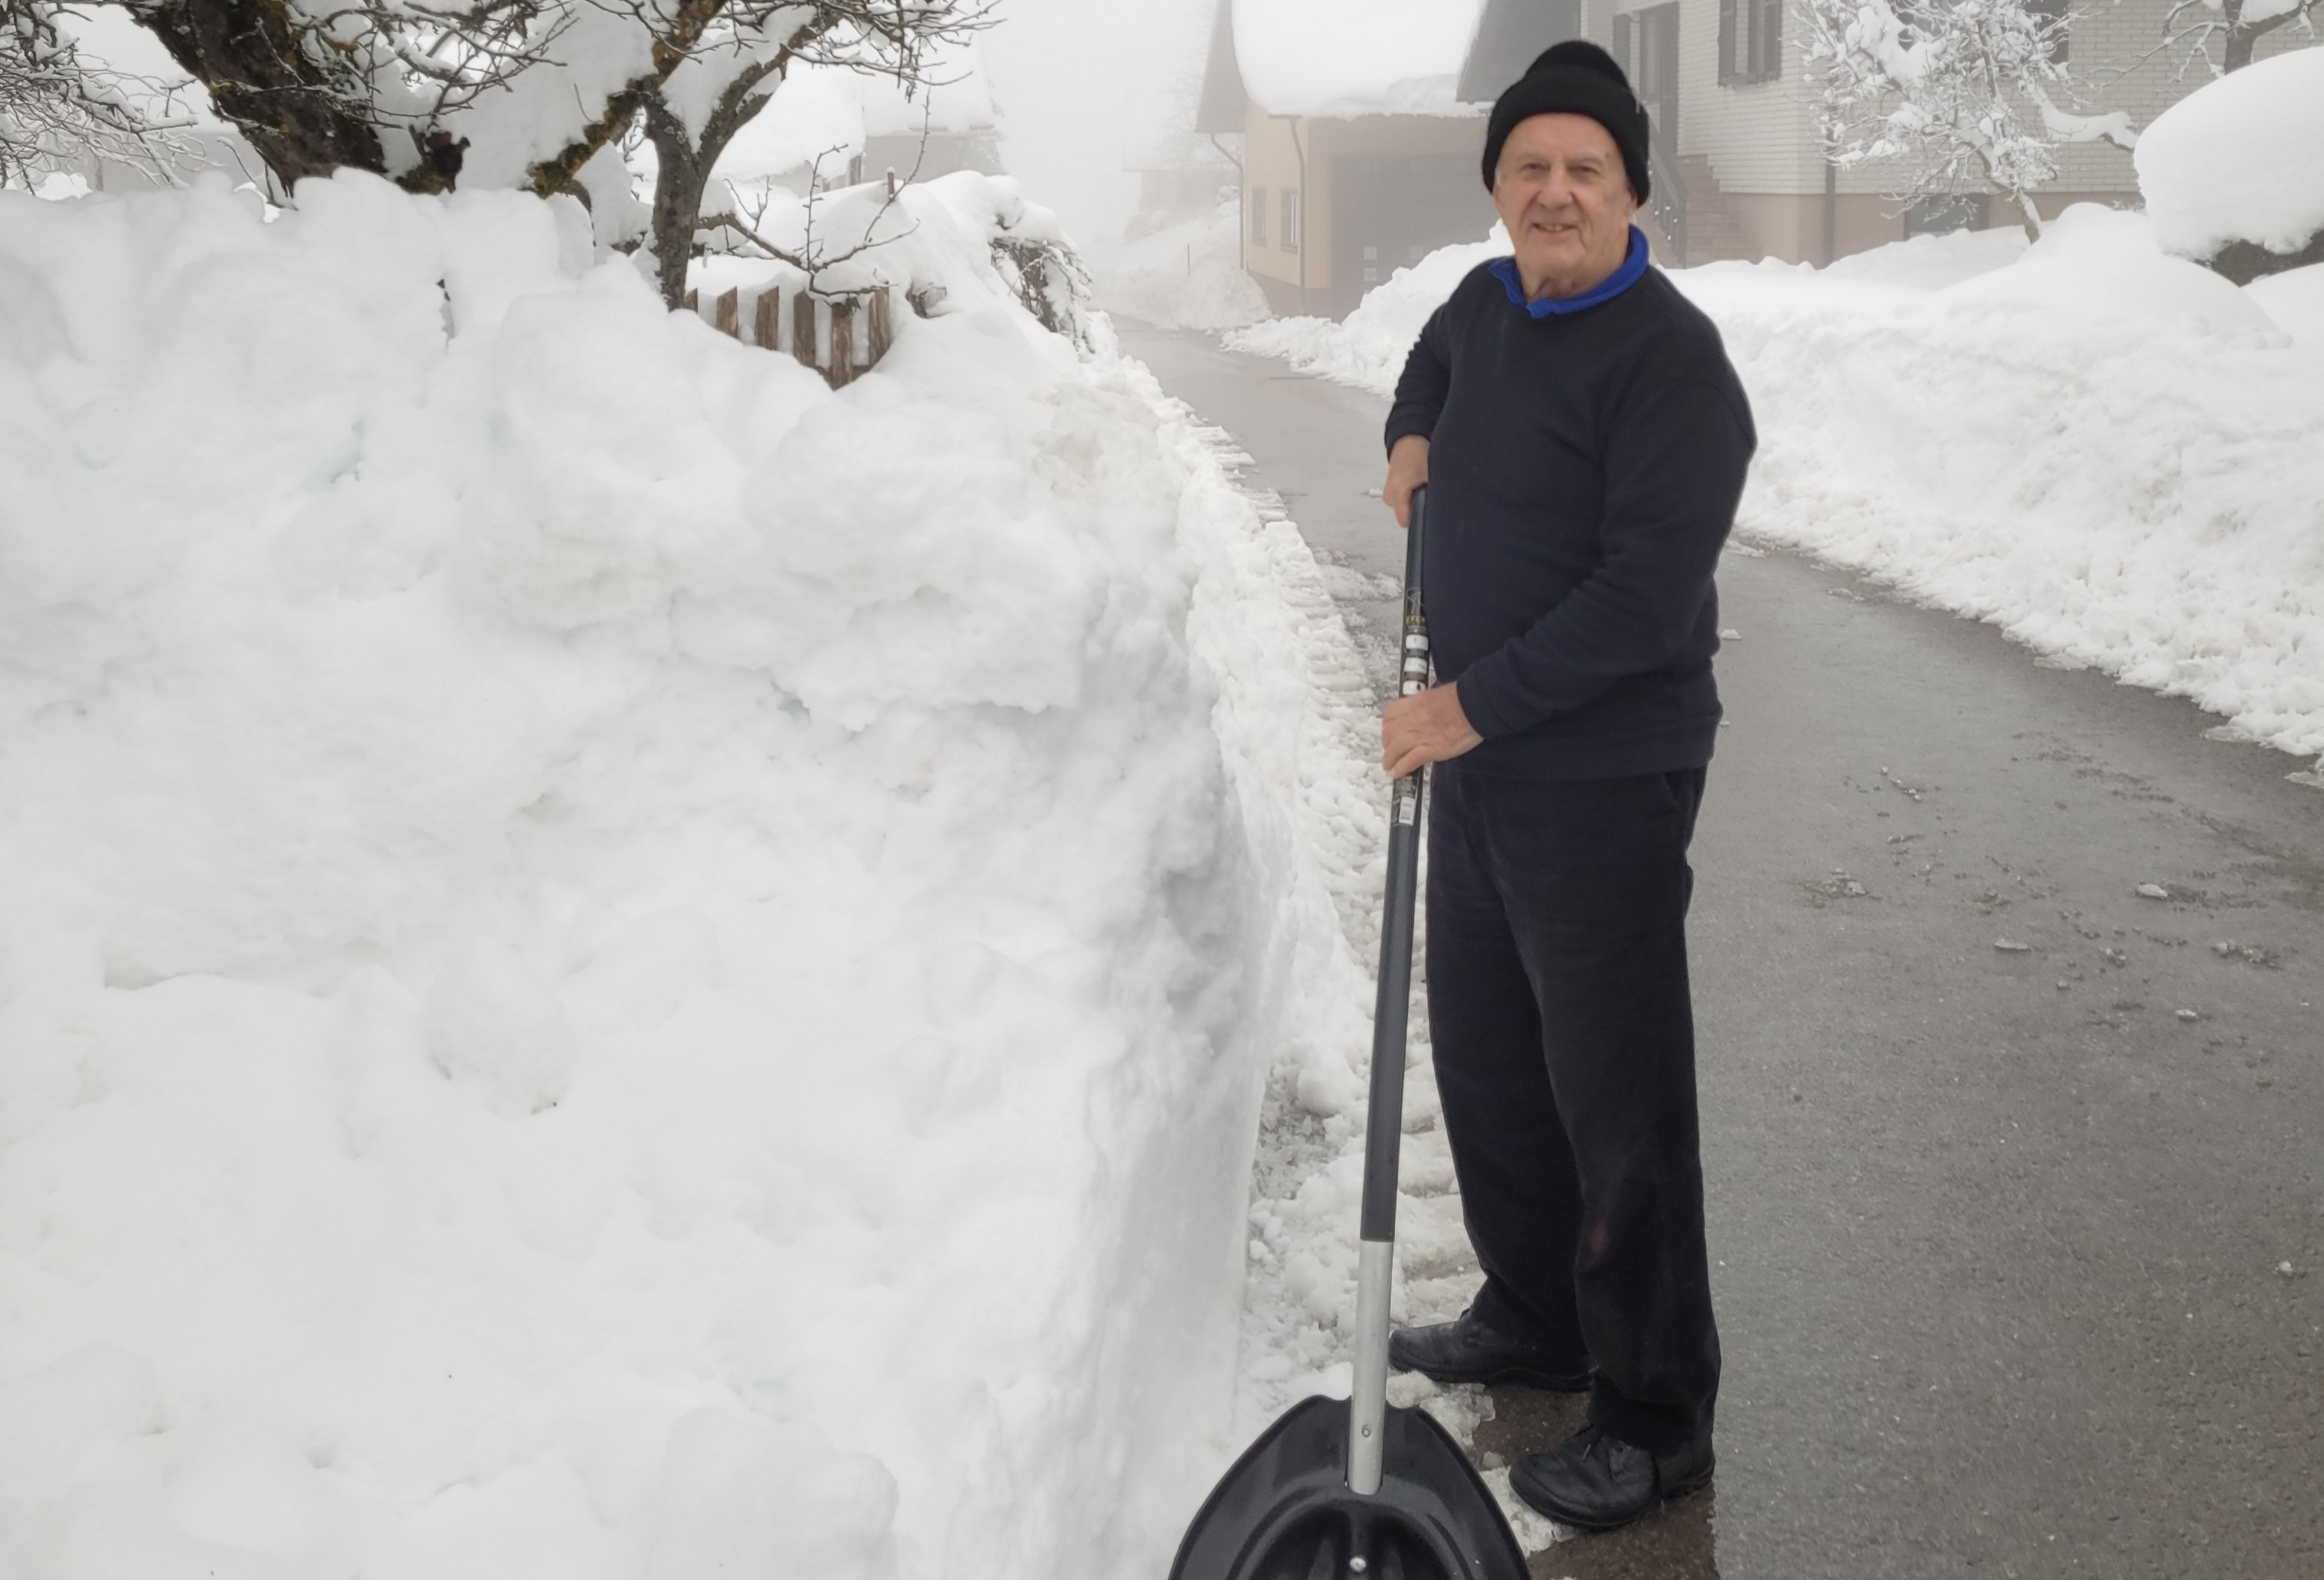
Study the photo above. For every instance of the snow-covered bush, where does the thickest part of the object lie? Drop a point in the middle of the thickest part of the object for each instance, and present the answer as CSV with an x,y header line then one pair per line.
x,y
613,966
2233,174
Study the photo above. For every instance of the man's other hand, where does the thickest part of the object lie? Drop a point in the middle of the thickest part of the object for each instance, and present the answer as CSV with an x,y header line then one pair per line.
x,y
1426,727
1407,470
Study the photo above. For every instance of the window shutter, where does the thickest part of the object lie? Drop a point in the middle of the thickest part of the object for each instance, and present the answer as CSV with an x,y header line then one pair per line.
x,y
1726,41
1622,47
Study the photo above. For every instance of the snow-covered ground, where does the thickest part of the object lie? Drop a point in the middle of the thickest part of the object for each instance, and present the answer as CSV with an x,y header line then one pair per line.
x,y
2107,451
615,965
1183,276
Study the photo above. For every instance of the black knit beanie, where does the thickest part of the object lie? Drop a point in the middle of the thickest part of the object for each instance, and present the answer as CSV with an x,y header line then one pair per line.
x,y
1575,78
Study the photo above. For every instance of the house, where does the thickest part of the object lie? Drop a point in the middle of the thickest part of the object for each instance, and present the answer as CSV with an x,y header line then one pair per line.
x,y
1360,151
1728,88
1362,121
1179,176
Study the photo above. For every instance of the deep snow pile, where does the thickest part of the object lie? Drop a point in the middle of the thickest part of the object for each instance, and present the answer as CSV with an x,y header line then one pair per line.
x,y
2295,300
1183,276
613,965
2107,451
1368,348
2239,159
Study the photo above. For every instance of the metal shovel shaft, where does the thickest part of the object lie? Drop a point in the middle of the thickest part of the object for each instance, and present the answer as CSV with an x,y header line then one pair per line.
x,y
1384,1120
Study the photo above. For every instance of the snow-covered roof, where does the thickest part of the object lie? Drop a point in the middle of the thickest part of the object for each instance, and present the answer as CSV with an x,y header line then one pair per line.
x,y
1354,57
2238,161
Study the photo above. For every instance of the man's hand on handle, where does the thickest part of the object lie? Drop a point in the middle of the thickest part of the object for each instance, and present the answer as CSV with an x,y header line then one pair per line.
x,y
1407,470
1427,727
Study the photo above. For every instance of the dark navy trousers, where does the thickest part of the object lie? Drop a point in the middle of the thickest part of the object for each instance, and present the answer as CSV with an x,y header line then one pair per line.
x,y
1564,1047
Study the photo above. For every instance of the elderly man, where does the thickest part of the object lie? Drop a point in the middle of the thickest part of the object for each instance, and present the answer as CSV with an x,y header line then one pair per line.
x,y
1584,440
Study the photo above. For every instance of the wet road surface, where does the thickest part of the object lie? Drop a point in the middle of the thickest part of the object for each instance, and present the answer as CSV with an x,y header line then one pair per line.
x,y
2015,1172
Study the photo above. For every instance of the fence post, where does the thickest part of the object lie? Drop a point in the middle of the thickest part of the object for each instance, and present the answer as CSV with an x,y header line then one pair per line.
x,y
771,316
803,345
730,312
843,344
883,323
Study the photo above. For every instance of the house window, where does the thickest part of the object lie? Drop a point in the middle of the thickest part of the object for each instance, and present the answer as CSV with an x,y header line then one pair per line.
x,y
1259,216
1750,41
1290,219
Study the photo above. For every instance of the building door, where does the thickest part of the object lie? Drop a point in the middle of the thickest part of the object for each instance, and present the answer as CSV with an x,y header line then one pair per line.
x,y
1389,211
1656,77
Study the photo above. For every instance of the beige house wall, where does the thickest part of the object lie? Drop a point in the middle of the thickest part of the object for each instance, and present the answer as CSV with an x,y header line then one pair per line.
x,y
1272,165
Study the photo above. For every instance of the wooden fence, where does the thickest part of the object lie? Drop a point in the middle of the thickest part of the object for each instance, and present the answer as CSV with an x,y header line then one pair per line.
x,y
840,337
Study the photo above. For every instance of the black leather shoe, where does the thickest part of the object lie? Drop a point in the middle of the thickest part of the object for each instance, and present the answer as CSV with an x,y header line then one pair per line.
x,y
1467,1351
1598,1483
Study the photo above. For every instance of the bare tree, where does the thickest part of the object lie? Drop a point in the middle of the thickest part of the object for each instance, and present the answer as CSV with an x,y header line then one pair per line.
x,y
1952,93
56,108
2238,25
735,74
406,88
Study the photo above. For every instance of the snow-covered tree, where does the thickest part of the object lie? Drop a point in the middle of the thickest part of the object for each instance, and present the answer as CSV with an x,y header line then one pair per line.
x,y
56,106
533,94
2236,24
1951,93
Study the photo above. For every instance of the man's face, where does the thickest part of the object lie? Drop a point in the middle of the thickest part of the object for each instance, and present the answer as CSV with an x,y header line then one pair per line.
x,y
1564,198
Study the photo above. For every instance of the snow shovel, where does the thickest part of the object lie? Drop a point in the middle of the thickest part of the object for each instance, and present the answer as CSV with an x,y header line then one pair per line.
x,y
1354,1487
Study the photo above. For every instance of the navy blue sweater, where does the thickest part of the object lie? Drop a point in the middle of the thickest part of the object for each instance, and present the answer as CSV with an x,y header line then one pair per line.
x,y
1583,471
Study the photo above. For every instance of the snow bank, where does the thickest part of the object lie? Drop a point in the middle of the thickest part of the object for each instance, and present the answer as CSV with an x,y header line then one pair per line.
x,y
2237,161
2295,300
1355,57
1184,276
1369,349
2104,262
614,964
2106,452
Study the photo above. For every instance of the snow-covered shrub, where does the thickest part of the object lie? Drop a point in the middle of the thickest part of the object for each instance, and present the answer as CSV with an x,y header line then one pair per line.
x,y
2233,174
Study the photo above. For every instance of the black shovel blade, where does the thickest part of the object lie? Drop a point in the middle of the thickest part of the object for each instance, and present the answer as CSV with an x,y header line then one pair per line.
x,y
1285,1513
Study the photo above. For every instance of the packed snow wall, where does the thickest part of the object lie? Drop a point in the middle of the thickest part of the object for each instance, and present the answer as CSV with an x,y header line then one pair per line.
x,y
612,964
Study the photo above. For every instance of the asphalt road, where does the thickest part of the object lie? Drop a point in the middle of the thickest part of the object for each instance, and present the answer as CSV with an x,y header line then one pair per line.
x,y
2016,1173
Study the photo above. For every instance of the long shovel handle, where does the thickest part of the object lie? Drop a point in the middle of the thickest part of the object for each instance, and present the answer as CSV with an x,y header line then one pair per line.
x,y
1384,1118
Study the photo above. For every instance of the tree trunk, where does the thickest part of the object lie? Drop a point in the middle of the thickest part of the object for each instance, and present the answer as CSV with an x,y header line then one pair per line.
x,y
2028,215
303,118
2240,41
677,198
685,166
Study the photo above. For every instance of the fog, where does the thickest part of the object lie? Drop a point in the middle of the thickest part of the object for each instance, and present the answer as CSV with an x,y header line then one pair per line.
x,y
1081,86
